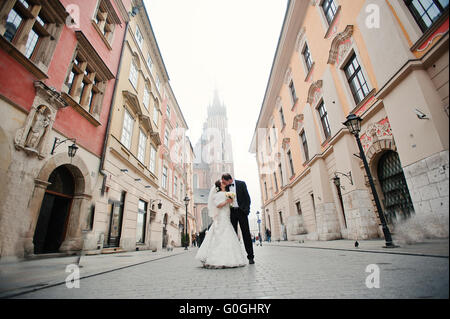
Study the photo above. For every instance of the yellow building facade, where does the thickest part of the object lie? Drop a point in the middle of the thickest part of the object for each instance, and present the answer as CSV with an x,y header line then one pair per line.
x,y
384,61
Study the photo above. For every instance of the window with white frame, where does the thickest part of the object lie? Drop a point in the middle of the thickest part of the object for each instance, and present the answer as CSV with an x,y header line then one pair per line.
x,y
281,174
283,121
158,82
181,190
164,177
155,115
139,37
133,74
152,159
142,146
329,9
292,91
175,186
166,138
356,79
426,12
307,57
304,144
146,97
291,162
149,62
324,120
168,111
127,129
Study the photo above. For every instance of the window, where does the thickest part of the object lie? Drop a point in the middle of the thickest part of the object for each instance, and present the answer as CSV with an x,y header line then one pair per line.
x,y
149,62
356,79
299,208
142,146
175,185
181,190
270,144
283,122
139,37
293,94
155,115
291,163
141,222
158,82
166,138
307,57
164,178
330,9
305,145
32,27
146,97
426,12
127,130
105,20
281,174
133,74
152,159
265,189
168,111
275,181
324,120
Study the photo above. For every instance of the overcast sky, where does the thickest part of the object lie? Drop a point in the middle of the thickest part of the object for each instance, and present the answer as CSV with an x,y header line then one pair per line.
x,y
223,44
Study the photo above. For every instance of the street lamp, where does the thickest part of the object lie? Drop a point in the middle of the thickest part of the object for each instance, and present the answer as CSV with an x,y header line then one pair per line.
x,y
353,124
186,201
71,150
259,228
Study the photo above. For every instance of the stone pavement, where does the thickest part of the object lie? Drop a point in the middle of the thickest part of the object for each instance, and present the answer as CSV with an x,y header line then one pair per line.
x,y
427,247
29,275
284,270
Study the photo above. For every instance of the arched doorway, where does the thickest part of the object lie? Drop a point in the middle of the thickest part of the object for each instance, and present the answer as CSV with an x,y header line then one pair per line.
x,y
54,214
397,201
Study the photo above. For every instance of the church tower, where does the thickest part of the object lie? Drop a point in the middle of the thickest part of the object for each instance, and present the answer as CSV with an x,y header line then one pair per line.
x,y
214,155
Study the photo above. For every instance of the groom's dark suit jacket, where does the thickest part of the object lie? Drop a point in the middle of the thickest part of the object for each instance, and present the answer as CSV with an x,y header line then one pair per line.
x,y
243,198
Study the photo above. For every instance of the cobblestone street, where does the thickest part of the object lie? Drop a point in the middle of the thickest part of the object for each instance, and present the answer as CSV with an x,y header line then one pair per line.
x,y
279,272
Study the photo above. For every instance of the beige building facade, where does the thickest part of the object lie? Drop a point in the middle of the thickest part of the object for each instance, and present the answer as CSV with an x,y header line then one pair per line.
x,y
382,61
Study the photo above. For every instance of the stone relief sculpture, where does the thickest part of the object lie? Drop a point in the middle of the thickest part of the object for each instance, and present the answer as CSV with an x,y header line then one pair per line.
x,y
38,128
32,137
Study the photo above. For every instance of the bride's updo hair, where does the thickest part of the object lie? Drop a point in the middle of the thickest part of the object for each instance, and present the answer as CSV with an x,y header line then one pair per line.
x,y
218,184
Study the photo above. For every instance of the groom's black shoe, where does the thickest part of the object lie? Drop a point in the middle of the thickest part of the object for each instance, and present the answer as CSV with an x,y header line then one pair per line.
x,y
251,261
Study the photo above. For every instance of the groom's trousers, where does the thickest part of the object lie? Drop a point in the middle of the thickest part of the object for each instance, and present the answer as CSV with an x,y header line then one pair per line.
x,y
238,217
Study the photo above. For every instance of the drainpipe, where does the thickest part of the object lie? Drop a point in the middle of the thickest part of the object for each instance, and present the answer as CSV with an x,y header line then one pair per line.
x,y
108,124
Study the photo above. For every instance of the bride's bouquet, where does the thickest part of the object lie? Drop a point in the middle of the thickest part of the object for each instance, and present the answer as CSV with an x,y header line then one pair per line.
x,y
230,195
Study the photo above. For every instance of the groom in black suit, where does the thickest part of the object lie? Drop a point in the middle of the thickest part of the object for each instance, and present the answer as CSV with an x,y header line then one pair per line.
x,y
240,209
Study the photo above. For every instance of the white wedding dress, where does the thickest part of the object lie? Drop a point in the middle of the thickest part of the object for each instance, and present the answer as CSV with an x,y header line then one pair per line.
x,y
221,247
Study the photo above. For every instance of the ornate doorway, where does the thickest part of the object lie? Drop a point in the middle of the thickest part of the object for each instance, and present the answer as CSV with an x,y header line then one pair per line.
x,y
397,201
54,214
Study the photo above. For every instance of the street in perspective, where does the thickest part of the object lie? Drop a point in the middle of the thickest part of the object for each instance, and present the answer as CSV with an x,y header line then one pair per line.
x,y
244,152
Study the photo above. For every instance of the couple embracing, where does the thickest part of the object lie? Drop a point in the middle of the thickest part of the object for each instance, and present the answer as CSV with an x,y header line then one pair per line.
x,y
228,206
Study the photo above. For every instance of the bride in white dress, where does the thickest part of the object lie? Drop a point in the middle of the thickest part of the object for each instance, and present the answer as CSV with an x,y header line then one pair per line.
x,y
221,247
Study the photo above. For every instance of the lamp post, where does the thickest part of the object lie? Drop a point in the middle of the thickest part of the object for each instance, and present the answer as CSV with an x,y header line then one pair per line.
x,y
186,201
259,228
353,123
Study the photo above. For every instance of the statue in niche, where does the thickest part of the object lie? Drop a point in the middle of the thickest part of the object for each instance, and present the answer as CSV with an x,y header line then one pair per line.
x,y
39,127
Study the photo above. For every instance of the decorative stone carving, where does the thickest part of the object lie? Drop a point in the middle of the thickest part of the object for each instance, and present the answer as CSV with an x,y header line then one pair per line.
x,y
299,40
33,136
298,120
340,45
286,142
375,132
315,91
288,76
